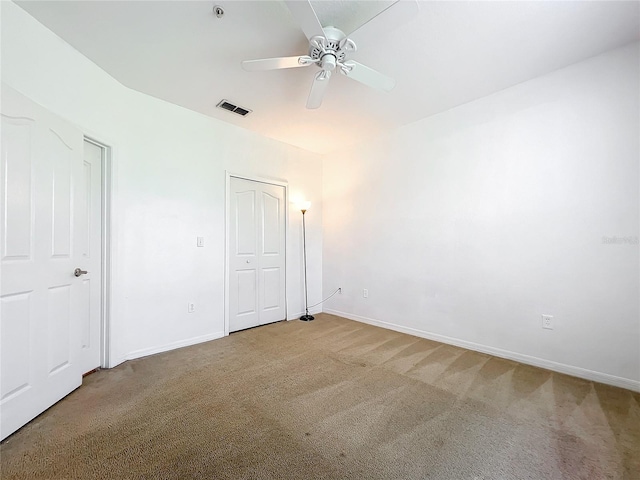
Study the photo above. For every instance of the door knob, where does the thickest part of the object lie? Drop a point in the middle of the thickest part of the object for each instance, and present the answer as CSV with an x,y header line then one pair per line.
x,y
248,261
77,272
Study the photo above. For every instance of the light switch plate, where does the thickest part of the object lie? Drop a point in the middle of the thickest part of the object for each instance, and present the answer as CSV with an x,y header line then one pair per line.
x,y
200,241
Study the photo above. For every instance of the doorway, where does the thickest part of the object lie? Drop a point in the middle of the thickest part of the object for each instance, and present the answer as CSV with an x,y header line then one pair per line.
x,y
95,189
256,253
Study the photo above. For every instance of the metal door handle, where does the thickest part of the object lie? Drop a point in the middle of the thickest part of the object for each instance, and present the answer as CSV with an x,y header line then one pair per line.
x,y
77,272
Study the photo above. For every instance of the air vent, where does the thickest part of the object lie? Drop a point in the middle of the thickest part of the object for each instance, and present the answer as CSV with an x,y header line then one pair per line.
x,y
226,105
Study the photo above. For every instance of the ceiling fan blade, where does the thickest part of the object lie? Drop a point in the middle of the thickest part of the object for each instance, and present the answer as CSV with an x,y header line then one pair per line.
x,y
276,63
390,18
318,87
306,17
369,76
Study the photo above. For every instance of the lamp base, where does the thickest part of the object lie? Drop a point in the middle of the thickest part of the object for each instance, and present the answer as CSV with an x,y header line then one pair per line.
x,y
306,318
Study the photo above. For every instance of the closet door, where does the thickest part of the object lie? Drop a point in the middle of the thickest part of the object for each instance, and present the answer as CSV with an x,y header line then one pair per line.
x,y
256,254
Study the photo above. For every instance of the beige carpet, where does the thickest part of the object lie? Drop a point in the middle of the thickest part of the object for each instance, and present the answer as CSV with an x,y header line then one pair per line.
x,y
330,399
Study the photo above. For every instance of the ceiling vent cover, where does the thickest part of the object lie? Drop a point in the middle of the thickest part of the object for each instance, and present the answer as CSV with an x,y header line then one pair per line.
x,y
226,105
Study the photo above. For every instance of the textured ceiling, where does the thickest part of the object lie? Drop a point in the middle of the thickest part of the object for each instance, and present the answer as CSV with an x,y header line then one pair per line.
x,y
448,54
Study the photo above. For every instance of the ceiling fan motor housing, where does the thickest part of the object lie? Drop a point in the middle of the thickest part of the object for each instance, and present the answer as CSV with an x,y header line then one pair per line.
x,y
332,44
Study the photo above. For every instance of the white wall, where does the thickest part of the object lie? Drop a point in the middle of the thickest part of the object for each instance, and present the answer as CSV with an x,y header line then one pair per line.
x,y
168,187
469,225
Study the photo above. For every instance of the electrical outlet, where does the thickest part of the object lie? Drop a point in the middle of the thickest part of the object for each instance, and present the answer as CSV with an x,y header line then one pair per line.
x,y
365,293
547,322
191,308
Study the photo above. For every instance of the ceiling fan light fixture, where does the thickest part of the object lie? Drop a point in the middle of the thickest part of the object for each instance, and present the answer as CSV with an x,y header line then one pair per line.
x,y
328,62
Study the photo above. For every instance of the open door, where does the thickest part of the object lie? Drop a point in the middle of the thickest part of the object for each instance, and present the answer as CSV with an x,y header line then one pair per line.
x,y
42,300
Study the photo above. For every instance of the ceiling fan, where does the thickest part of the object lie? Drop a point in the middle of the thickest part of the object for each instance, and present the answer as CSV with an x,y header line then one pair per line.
x,y
330,48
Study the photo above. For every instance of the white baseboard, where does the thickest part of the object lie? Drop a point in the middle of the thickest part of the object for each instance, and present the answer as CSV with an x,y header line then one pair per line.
x,y
173,345
592,375
312,311
116,361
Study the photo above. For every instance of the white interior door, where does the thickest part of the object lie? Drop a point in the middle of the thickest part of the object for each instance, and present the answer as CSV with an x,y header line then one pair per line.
x,y
90,250
257,254
41,299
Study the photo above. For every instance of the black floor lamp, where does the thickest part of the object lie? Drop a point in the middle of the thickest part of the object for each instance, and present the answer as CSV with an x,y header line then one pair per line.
x,y
304,206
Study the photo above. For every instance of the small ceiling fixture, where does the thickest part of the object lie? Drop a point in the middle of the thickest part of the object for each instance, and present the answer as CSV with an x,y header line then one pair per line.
x,y
226,105
219,11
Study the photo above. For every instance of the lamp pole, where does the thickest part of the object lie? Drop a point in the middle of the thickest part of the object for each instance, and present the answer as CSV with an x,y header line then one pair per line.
x,y
306,317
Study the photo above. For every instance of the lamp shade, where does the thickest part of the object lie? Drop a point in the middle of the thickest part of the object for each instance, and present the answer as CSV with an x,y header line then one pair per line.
x,y
304,205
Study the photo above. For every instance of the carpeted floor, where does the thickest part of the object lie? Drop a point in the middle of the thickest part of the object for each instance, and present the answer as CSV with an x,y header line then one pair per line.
x,y
331,399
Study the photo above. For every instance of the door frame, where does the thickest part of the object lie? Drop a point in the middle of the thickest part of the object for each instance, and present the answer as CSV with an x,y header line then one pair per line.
x,y
105,247
269,181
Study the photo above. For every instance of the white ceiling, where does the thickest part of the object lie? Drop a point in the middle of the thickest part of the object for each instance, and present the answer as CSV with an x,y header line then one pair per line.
x,y
450,53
